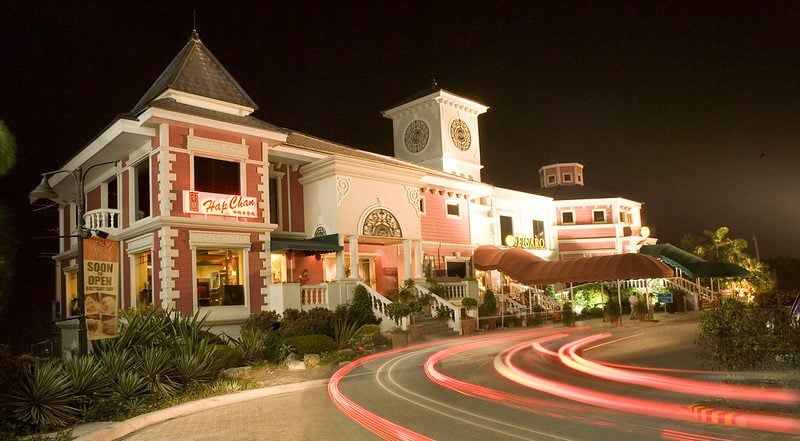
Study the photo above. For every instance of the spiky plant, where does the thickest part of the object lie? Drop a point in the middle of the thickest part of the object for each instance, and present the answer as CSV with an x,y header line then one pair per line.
x,y
130,390
157,367
88,379
343,331
43,397
196,361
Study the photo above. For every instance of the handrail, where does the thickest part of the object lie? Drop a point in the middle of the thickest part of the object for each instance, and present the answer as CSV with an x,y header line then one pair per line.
x,y
515,304
102,218
455,311
379,304
692,287
315,295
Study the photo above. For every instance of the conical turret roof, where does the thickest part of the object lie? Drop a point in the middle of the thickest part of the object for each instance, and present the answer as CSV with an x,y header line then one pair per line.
x,y
195,70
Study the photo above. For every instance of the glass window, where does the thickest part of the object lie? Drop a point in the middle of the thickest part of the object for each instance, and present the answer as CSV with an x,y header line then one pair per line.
x,y
278,265
111,186
538,229
456,269
599,216
143,278
72,293
141,198
453,209
567,217
422,205
219,277
551,179
216,176
506,228
567,177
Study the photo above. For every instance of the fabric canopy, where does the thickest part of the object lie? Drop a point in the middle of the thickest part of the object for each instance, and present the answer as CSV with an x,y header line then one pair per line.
x,y
718,269
531,270
691,265
673,256
321,244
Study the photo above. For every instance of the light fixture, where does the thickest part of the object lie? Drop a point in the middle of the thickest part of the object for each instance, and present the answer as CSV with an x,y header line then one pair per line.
x,y
43,191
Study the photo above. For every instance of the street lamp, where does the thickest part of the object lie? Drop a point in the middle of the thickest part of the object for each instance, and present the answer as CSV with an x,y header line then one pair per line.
x,y
45,191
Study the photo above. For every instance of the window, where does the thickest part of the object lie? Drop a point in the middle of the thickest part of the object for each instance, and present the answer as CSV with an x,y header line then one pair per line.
x,y
580,178
278,265
141,197
143,278
506,228
216,176
453,209
599,216
538,229
567,217
422,205
551,179
567,177
219,277
72,293
274,200
111,193
456,269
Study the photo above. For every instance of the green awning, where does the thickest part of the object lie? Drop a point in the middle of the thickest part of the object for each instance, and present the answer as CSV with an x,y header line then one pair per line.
x,y
314,245
673,256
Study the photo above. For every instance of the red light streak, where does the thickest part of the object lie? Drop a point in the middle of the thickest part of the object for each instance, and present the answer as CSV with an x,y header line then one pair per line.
x,y
503,364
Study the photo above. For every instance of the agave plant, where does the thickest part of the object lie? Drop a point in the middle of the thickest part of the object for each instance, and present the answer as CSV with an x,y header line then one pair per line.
x,y
117,362
130,390
157,367
196,361
43,397
344,330
88,379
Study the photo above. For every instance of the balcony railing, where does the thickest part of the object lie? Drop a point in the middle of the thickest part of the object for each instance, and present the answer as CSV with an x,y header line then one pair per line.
x,y
106,219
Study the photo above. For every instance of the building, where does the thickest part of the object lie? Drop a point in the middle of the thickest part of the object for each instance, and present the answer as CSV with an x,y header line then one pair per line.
x,y
219,212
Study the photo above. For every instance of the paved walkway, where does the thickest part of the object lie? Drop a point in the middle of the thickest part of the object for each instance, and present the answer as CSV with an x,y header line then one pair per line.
x,y
303,410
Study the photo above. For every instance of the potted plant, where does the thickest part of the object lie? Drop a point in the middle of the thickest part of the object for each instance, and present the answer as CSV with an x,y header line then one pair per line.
x,y
399,337
443,313
567,315
471,306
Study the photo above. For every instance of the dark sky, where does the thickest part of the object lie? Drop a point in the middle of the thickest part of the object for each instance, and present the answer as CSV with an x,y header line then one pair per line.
x,y
694,111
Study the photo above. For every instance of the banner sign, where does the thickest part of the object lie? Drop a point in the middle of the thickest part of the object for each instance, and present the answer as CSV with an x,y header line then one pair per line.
x,y
199,202
101,286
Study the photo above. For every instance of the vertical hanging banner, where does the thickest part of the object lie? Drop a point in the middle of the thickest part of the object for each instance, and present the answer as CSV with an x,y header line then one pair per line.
x,y
101,286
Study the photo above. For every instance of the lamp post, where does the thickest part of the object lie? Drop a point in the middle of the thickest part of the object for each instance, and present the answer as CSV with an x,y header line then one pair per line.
x,y
45,191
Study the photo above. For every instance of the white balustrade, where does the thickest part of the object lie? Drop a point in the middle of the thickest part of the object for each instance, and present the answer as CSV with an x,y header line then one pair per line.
x,y
106,219
454,320
314,295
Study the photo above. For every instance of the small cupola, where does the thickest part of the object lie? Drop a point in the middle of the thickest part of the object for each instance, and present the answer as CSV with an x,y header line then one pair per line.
x,y
561,174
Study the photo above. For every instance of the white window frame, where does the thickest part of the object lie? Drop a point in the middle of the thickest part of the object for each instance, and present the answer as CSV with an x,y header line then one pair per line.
x,y
567,177
133,181
278,176
449,202
572,212
594,219
551,179
226,241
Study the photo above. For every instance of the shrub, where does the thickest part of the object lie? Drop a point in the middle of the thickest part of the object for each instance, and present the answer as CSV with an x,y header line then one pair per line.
x,y
368,336
469,302
88,380
739,336
312,344
264,321
567,315
315,321
43,399
157,367
343,331
489,303
443,312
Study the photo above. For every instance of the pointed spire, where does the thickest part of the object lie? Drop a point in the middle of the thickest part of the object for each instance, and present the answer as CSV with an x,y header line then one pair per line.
x,y
196,71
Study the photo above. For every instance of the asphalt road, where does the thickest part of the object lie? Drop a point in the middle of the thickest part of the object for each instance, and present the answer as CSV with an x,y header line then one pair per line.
x,y
474,389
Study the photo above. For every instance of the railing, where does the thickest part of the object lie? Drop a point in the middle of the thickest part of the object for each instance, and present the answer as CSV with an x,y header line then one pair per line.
x,y
379,304
515,305
691,287
454,321
106,219
455,290
527,294
314,295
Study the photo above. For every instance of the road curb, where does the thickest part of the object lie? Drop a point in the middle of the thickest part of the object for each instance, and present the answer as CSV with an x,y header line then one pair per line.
x,y
122,428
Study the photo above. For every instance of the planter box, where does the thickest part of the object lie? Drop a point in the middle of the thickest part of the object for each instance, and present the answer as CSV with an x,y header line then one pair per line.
x,y
415,332
468,326
399,339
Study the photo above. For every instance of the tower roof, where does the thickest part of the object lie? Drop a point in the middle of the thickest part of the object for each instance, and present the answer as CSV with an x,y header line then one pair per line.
x,y
196,71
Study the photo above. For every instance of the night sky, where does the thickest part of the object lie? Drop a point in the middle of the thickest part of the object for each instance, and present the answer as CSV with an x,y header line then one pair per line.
x,y
695,112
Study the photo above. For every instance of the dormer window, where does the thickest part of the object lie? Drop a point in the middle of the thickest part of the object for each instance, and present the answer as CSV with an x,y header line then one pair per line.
x,y
599,216
567,177
551,179
567,217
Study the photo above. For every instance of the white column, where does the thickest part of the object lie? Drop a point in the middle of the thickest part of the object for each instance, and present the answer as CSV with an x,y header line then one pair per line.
x,y
354,257
407,259
418,258
340,275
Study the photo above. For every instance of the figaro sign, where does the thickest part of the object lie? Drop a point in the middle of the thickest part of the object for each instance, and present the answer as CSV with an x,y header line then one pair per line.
x,y
525,242
199,202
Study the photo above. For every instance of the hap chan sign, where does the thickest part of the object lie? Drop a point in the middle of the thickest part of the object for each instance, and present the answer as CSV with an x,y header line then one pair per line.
x,y
527,242
101,287
198,202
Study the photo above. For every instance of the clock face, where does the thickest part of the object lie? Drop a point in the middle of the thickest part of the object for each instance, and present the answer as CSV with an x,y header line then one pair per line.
x,y
416,136
459,133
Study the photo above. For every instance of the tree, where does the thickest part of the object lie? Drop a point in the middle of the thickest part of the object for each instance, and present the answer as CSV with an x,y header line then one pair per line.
x,y
8,156
8,149
717,246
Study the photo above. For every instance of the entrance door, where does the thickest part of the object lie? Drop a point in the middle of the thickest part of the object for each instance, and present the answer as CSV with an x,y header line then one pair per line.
x,y
366,270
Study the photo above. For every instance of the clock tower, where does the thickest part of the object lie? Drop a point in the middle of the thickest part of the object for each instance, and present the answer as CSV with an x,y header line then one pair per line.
x,y
438,129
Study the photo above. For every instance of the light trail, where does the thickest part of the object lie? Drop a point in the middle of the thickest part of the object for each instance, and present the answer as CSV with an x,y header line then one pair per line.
x,y
569,355
504,365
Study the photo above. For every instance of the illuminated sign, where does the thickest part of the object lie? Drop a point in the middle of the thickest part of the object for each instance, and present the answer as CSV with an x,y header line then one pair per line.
x,y
219,204
101,286
525,242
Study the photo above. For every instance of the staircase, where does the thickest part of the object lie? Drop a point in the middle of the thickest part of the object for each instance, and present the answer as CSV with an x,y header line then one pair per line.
x,y
433,328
